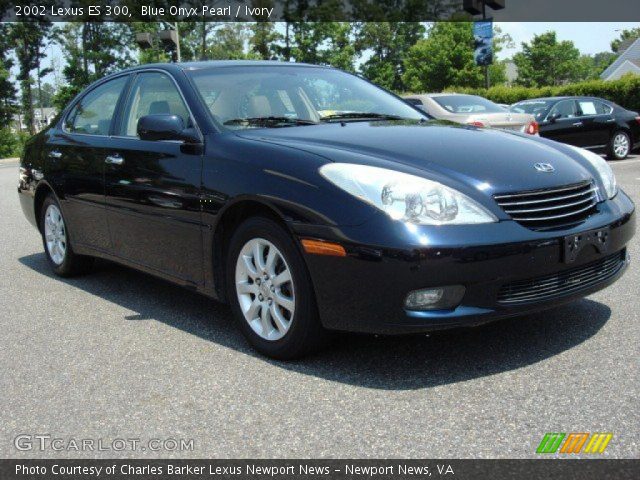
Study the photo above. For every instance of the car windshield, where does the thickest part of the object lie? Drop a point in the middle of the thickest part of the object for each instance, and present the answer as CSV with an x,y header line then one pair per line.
x,y
284,96
467,104
534,107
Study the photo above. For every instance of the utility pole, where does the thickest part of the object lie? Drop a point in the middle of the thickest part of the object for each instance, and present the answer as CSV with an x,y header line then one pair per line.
x,y
475,7
486,67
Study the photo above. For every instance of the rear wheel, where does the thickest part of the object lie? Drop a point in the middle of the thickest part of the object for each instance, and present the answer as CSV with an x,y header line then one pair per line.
x,y
270,291
619,146
56,241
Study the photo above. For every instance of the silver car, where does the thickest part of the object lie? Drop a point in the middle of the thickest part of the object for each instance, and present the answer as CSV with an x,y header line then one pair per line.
x,y
473,110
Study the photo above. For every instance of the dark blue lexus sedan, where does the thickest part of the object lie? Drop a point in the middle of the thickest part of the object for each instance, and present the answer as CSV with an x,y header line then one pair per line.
x,y
312,200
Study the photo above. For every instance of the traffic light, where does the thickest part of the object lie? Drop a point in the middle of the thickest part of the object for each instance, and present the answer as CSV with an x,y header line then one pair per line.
x,y
474,7
495,4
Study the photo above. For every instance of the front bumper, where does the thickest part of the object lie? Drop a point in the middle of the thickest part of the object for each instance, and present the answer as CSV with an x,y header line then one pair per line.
x,y
365,291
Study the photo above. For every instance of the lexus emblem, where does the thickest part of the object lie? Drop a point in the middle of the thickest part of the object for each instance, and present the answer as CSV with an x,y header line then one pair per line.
x,y
544,167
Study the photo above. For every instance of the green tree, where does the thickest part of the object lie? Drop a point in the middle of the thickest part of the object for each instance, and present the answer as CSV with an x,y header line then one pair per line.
x,y
388,44
29,38
264,40
624,35
545,61
445,59
47,94
7,90
229,42
264,37
91,51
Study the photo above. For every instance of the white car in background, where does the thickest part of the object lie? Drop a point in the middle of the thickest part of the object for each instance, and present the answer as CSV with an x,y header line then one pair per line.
x,y
473,110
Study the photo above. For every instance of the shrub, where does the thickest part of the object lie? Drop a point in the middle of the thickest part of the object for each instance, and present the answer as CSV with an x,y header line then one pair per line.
x,y
625,92
11,144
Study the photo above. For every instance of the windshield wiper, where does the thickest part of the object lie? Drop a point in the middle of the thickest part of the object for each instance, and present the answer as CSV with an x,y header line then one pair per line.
x,y
360,115
269,121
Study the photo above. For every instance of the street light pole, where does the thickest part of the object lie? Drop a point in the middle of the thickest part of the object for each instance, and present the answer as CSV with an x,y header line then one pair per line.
x,y
486,67
175,27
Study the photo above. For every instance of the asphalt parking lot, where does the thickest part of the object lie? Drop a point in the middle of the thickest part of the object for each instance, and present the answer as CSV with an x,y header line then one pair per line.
x,y
118,354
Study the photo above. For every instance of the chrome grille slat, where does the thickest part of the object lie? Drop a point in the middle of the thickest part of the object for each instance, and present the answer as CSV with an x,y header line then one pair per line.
x,y
547,200
549,191
581,282
550,208
542,283
553,217
562,283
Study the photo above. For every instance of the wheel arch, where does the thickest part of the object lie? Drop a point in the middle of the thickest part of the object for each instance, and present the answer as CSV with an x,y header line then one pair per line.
x,y
42,191
229,218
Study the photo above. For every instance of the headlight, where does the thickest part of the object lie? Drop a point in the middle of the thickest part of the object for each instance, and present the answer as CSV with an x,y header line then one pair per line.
x,y
603,168
407,197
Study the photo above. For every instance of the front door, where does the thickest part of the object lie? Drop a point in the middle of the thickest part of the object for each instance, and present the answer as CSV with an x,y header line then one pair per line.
x,y
153,187
562,123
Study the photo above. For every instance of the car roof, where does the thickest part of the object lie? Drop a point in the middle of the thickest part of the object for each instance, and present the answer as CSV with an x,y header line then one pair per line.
x,y
566,97
218,63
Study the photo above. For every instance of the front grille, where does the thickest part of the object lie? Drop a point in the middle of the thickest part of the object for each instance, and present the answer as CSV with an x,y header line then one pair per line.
x,y
563,283
550,208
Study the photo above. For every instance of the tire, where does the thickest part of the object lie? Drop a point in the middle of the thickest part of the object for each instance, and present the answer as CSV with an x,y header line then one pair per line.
x,y
57,244
279,318
619,146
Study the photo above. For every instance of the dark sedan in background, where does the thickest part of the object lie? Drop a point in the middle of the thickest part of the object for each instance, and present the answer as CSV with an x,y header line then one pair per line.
x,y
312,200
587,122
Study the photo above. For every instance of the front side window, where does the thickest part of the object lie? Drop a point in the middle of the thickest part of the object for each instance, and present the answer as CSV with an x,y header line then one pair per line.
x,y
535,107
92,115
270,96
467,104
151,93
564,109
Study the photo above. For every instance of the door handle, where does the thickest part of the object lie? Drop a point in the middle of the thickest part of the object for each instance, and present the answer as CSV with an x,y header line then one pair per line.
x,y
577,124
611,120
114,160
55,154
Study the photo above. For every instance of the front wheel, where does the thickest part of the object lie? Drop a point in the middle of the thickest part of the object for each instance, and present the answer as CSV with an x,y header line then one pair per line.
x,y
271,292
57,244
619,146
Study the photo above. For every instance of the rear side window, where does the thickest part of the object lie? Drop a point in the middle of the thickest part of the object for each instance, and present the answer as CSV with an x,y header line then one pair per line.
x,y
151,93
92,115
603,109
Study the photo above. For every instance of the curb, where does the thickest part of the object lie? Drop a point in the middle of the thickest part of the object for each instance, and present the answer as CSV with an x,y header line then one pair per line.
x,y
8,161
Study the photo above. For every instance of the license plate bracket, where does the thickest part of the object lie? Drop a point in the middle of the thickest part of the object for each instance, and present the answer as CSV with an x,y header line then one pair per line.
x,y
573,244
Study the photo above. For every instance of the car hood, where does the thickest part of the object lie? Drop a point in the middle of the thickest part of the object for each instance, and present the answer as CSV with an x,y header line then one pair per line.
x,y
489,160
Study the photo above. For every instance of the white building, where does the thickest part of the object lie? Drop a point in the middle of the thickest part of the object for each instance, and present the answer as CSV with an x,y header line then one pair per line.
x,y
627,62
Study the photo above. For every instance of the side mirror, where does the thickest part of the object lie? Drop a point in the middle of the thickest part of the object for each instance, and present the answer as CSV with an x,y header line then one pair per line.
x,y
554,117
165,126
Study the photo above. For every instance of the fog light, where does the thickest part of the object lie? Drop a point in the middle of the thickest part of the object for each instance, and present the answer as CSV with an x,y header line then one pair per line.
x,y
440,298
423,298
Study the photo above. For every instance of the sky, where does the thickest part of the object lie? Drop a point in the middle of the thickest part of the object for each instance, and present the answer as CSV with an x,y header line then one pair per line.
x,y
589,37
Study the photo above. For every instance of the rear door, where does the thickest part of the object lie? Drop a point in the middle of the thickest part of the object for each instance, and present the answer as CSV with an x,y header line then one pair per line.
x,y
597,123
75,159
153,187
566,127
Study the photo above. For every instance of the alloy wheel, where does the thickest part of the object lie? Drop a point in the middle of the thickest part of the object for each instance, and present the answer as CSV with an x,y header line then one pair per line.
x,y
621,145
265,289
55,234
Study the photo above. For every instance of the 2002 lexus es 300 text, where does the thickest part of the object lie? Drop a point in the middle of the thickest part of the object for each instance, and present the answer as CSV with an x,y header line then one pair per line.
x,y
312,200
